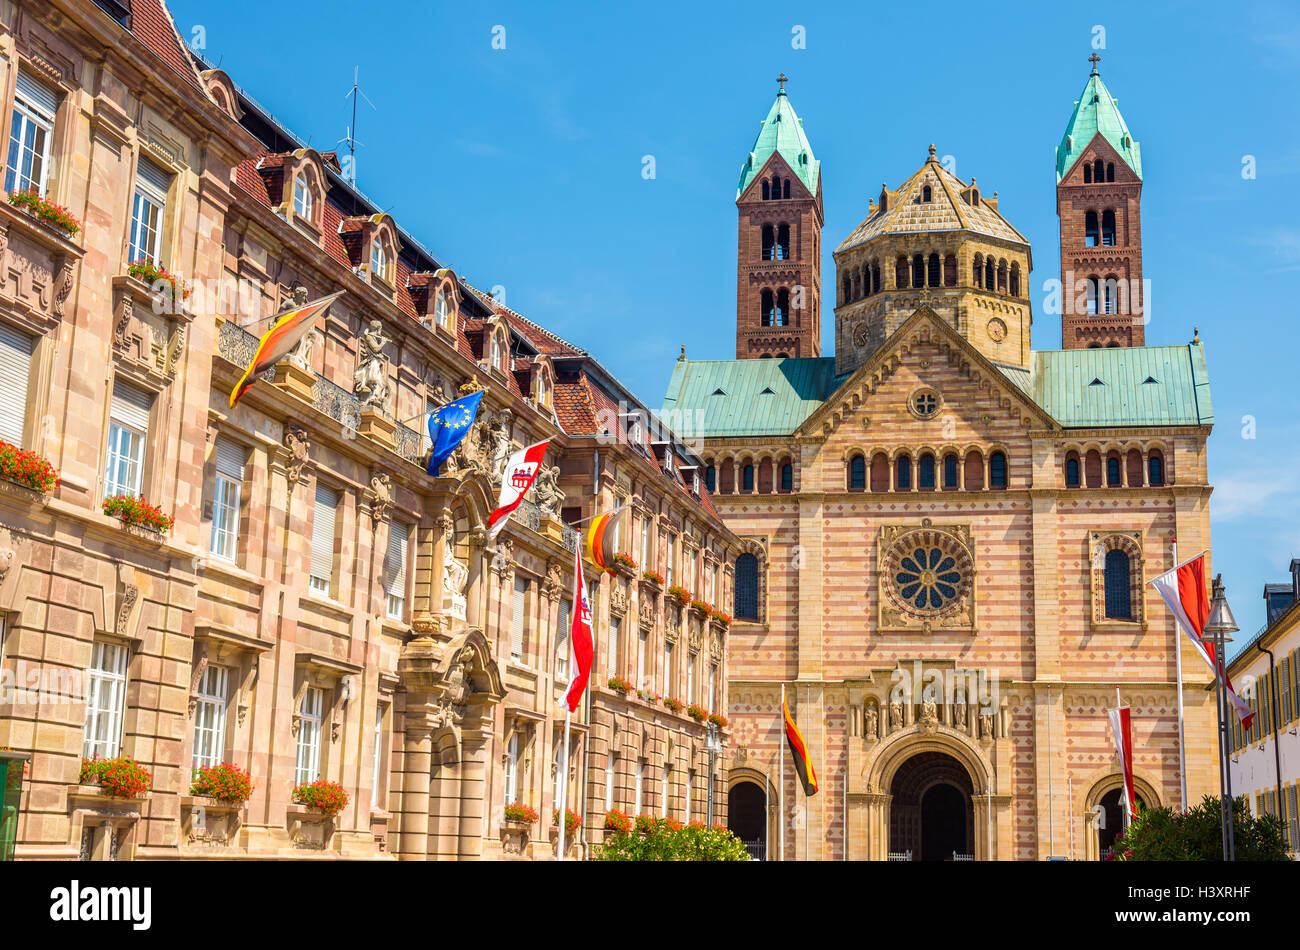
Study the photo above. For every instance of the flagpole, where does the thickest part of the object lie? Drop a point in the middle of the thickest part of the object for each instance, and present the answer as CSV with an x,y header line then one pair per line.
x,y
1178,666
806,855
562,816
1126,818
780,789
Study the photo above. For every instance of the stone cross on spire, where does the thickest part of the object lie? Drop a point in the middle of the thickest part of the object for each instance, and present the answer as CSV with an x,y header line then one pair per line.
x,y
782,79
1094,59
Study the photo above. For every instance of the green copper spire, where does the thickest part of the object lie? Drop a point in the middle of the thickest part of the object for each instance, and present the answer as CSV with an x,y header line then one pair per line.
x,y
781,131
1096,111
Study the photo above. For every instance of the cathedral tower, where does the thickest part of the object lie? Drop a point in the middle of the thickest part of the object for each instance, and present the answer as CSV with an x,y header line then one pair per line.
x,y
778,272
1098,199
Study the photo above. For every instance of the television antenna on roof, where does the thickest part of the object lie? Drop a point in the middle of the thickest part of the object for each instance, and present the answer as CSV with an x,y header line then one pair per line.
x,y
351,139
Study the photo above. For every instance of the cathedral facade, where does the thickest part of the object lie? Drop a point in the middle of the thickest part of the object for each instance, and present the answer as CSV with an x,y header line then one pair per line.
x,y
946,534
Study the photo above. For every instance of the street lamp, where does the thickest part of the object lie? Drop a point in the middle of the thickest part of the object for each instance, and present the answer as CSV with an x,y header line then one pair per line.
x,y
1220,624
714,746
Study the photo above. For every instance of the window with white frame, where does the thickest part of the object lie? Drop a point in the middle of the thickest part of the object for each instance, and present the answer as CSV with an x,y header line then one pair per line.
x,y
690,678
322,540
379,258
496,351
16,350
210,717
378,764
646,530
615,625
302,200
311,717
617,537
670,677
147,207
672,554
643,641
227,487
512,768
713,685
611,763
105,701
30,135
663,788
563,644
441,309
690,780
715,592
128,430
399,536
639,787
517,645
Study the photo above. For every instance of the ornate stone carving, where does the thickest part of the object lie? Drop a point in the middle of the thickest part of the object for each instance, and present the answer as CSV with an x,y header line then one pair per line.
x,y
455,575
370,381
871,724
196,677
928,577
646,618
299,446
715,647
300,355
696,638
895,716
547,493
122,326
618,599
503,560
986,727
381,484
63,285
672,627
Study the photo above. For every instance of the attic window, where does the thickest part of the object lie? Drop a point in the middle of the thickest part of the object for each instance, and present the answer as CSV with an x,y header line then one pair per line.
x,y
718,392
1096,382
1150,379
767,391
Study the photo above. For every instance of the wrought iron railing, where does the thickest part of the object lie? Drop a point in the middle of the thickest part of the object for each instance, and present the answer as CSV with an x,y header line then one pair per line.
x,y
531,515
757,849
337,403
410,443
238,346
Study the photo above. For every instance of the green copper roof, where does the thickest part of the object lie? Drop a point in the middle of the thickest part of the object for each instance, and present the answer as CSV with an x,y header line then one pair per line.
x,y
1096,111
781,131
1115,386
747,397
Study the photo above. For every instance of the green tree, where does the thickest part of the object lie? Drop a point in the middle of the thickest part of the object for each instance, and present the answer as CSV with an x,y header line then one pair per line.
x,y
665,839
1161,834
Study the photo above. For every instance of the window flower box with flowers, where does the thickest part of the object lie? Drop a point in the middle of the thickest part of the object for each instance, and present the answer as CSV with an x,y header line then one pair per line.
x,y
698,713
27,469
325,798
718,720
224,783
45,211
679,595
572,821
622,564
652,581
646,695
719,619
173,291
121,777
615,820
701,608
213,813
137,513
519,814
674,704
619,685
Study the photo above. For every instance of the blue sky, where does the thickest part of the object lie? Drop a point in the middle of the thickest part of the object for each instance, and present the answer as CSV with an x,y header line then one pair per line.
x,y
522,167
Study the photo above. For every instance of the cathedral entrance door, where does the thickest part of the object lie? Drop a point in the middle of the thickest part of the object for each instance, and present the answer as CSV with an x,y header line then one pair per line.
x,y
943,823
931,816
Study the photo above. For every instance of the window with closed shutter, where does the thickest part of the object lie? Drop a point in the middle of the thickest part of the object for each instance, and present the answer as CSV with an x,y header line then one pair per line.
x,y
227,489
30,133
562,624
128,429
399,536
15,371
322,540
517,621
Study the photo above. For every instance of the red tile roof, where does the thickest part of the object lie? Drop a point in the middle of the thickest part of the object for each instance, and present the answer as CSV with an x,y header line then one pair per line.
x,y
152,24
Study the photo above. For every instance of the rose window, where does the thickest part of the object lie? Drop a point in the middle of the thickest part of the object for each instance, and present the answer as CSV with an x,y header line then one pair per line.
x,y
928,578
927,573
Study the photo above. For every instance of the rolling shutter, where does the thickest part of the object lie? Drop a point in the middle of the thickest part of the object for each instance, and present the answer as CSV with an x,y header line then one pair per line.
x,y
40,97
131,405
562,624
230,458
322,533
15,370
153,181
399,535
517,622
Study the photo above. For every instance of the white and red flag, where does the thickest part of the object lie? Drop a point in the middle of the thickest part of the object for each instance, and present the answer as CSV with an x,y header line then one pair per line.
x,y
1122,725
580,635
1184,590
520,473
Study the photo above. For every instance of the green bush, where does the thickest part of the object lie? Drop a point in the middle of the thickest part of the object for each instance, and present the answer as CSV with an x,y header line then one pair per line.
x,y
665,839
1162,834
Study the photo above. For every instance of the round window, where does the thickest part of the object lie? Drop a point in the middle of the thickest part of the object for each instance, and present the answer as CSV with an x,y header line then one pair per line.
x,y
924,403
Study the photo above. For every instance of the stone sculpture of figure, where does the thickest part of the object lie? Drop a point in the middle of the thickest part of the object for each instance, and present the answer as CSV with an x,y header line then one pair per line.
x,y
300,355
454,577
546,490
986,726
959,714
872,723
500,445
929,711
895,716
370,381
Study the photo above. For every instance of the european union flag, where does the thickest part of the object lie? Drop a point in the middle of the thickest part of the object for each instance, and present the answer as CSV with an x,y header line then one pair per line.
x,y
450,424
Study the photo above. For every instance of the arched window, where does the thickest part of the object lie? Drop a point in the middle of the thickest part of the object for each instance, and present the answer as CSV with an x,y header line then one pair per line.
x,y
903,473
1087,174
932,270
1094,288
973,476
998,470
1110,171
746,587
727,477
767,191
880,472
1133,467
1002,276
1119,591
302,201
441,309
1155,468
1113,479
1091,232
1092,468
900,272
379,259
1109,291
846,288
925,472
875,277
1015,280
782,316
950,270
988,273
711,478
776,187
857,473
783,242
787,477
1072,470
747,478
768,307
918,270
977,275
1108,228
950,472
765,477
768,243
926,194
1098,171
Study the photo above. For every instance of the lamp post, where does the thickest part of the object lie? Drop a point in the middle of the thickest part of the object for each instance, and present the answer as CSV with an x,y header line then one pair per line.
x,y
713,746
1220,624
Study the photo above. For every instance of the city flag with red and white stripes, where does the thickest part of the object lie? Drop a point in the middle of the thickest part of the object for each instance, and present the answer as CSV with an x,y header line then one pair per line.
x,y
580,635
1121,724
519,474
1184,590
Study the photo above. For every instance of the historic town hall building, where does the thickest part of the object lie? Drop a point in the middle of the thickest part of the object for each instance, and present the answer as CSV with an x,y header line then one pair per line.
x,y
947,534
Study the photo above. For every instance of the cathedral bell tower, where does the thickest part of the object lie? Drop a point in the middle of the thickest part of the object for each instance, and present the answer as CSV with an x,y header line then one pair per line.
x,y
1098,199
778,261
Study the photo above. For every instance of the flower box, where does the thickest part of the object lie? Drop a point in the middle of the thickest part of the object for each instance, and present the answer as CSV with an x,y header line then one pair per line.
x,y
222,783
701,608
160,281
652,580
698,713
521,813
718,720
617,821
679,595
619,685
719,619
326,798
572,821
27,469
121,777
138,513
622,564
45,211
674,704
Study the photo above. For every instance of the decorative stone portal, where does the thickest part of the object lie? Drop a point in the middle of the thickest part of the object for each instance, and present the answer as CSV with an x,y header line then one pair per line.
x,y
931,814
747,817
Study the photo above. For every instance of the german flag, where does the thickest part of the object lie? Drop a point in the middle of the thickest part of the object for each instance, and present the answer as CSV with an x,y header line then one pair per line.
x,y
799,749
600,538
287,331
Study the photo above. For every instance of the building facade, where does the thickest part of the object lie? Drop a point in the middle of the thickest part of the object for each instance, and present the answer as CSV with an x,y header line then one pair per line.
x,y
1265,759
946,537
320,607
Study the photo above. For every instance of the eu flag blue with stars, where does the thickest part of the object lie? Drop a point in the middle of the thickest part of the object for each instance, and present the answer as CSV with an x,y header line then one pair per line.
x,y
450,424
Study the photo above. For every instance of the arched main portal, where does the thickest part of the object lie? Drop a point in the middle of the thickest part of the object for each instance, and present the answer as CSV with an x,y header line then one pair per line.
x,y
747,817
931,814
1111,821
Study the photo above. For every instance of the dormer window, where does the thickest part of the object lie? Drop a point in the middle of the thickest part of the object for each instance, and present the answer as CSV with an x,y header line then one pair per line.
x,y
442,312
302,200
379,259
